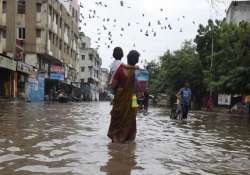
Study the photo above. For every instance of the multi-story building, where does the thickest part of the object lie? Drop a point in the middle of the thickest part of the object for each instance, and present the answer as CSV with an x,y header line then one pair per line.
x,y
43,37
104,84
90,69
238,11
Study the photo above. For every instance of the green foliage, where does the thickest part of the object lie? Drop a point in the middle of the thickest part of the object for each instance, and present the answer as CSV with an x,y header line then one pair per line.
x,y
228,71
231,61
174,69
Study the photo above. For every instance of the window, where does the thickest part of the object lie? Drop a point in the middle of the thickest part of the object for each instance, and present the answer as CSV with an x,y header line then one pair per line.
x,y
60,23
21,33
38,33
21,7
90,56
38,7
82,69
57,20
83,45
65,47
4,6
4,33
50,36
83,57
82,81
50,11
53,38
76,17
60,45
56,43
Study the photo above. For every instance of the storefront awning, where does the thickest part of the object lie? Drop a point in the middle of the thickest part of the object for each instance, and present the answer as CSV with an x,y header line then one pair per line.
x,y
7,63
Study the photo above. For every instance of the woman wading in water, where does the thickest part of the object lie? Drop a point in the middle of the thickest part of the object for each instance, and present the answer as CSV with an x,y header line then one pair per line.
x,y
122,127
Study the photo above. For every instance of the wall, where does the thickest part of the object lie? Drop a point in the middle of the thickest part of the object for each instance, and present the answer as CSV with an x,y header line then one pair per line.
x,y
239,11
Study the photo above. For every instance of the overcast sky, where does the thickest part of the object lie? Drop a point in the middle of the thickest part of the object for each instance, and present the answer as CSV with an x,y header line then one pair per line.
x,y
184,16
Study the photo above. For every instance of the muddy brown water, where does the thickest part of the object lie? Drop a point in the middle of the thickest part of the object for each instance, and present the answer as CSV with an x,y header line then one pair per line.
x,y
70,139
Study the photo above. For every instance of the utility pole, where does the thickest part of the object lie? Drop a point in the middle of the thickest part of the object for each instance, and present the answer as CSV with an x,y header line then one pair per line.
x,y
15,29
212,60
14,76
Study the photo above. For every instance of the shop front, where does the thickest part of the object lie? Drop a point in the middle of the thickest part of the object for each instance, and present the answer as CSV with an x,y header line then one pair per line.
x,y
55,81
24,70
8,76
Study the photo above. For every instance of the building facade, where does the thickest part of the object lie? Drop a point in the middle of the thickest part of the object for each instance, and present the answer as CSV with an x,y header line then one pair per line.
x,y
104,84
238,11
90,69
42,36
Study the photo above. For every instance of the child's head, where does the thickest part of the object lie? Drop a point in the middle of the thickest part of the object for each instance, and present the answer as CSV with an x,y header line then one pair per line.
x,y
118,53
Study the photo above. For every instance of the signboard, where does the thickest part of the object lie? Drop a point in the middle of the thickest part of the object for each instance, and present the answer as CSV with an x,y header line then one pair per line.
x,y
7,63
36,87
57,76
142,78
57,69
23,67
224,99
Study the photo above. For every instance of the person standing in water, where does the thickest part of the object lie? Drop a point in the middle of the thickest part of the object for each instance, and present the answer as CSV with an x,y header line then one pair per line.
x,y
185,99
122,127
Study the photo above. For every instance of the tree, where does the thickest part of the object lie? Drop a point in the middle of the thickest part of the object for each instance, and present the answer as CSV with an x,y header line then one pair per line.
x,y
176,68
230,71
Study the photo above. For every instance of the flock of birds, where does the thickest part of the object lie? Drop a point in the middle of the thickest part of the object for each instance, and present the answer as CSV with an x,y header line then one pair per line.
x,y
109,26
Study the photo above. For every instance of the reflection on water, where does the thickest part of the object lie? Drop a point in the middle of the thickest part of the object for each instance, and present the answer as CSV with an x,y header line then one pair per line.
x,y
70,139
122,159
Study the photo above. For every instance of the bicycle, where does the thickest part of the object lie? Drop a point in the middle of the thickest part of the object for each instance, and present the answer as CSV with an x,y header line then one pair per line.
x,y
176,113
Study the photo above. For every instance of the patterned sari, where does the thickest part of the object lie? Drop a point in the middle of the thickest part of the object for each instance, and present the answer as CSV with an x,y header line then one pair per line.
x,y
123,117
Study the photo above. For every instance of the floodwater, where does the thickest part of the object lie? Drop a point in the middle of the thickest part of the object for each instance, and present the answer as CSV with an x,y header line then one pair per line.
x,y
70,139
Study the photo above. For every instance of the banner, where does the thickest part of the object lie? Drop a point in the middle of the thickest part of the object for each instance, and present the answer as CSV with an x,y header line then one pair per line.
x,y
23,67
57,69
36,87
57,76
224,99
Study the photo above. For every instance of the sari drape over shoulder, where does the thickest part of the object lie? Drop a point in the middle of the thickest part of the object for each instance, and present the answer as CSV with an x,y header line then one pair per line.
x,y
123,116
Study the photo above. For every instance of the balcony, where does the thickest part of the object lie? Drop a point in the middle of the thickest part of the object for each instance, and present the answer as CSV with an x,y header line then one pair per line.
x,y
20,44
3,21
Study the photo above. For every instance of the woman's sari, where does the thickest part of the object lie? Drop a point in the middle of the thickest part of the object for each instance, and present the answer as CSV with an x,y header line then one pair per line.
x,y
123,117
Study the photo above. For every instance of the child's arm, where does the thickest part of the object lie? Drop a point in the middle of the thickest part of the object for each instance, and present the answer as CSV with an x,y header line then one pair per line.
x,y
130,67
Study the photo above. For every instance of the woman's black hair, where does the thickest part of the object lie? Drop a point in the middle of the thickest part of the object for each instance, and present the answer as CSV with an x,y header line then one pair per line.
x,y
133,57
118,53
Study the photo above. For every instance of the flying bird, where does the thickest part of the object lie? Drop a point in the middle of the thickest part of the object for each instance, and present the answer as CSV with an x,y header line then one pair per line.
x,y
121,3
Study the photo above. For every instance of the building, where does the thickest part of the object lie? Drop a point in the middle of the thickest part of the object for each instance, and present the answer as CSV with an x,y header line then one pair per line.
x,y
104,84
42,36
238,11
7,77
90,69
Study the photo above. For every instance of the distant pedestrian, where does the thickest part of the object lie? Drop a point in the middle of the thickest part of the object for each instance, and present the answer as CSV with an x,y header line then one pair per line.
x,y
210,104
122,127
185,99
247,100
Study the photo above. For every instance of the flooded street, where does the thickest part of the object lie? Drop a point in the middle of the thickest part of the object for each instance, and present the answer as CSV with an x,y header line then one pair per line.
x,y
70,139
